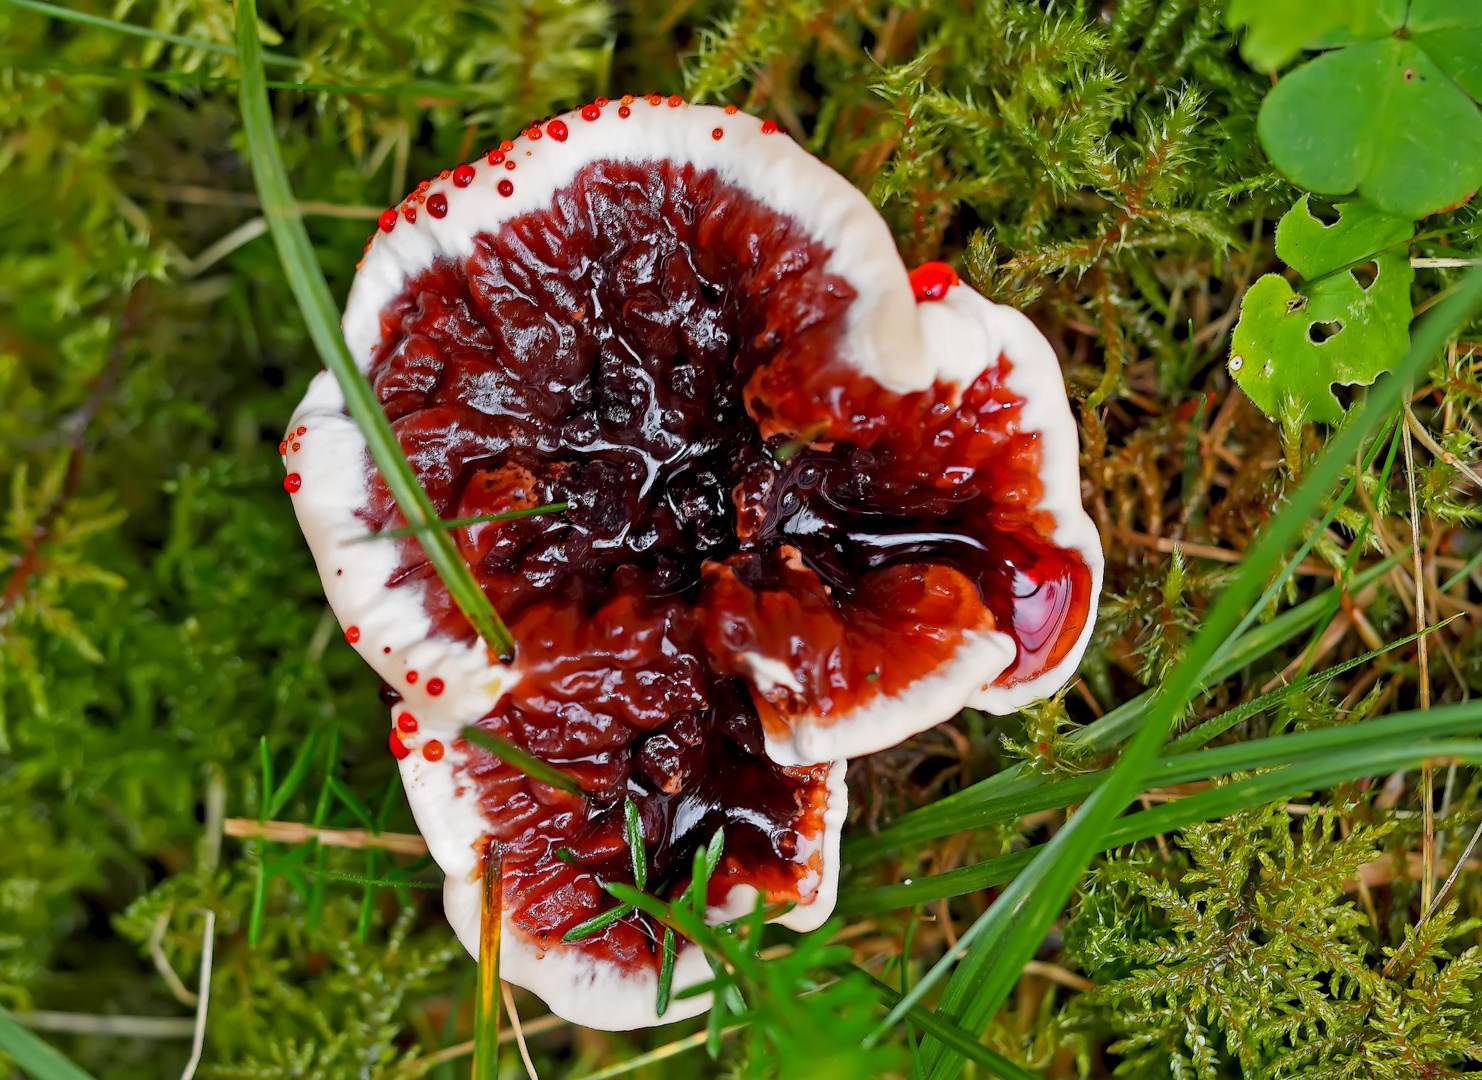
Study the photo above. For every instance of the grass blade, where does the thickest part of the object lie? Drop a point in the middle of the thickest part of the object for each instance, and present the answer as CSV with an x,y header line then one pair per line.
x,y
666,972
633,833
954,813
994,949
322,320
458,523
597,922
296,773
486,996
56,11
950,1034
37,1056
1402,732
527,763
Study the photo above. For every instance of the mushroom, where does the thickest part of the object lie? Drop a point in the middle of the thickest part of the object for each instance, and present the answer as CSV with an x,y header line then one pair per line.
x,y
813,505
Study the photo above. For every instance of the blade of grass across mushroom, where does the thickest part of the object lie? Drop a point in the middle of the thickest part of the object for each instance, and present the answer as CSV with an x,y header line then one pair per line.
x,y
522,760
954,812
990,955
321,316
1402,732
458,523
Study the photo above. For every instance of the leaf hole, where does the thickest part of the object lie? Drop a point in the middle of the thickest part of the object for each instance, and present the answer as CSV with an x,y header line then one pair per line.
x,y
1319,332
1326,214
1365,274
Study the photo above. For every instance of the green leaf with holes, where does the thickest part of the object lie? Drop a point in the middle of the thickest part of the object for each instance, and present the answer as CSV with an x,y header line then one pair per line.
x,y
1347,323
1382,118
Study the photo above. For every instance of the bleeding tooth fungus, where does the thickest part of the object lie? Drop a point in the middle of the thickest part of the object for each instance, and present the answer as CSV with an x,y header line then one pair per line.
x,y
815,505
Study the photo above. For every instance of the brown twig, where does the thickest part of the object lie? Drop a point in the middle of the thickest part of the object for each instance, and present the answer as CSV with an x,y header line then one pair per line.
x,y
296,832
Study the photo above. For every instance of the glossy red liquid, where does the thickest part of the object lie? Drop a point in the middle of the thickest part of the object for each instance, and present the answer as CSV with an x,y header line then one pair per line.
x,y
649,350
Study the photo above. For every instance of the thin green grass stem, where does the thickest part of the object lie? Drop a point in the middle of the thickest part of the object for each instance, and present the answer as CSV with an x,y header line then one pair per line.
x,y
321,316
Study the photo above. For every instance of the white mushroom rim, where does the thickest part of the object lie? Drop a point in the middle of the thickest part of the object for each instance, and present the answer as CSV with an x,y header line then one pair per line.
x,y
885,336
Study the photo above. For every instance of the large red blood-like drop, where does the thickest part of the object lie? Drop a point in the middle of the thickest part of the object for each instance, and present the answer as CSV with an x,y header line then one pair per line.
x,y
659,349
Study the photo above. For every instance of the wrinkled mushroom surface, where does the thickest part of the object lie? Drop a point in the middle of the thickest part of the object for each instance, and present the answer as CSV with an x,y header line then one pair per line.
x,y
808,516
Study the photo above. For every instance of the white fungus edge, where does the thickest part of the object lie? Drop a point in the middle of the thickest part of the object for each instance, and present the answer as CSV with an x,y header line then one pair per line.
x,y
574,986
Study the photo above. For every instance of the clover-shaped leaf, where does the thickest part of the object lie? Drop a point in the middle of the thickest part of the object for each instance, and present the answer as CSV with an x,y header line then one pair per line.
x,y
1346,324
1381,117
1450,32
1277,30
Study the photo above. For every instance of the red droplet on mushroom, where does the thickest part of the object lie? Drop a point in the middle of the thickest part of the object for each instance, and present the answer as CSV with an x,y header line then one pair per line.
x,y
295,446
407,722
352,634
292,482
509,164
411,676
807,517
387,220
432,750
399,749
495,157
675,101
769,126
601,103
434,686
463,175
301,431
409,211
506,146
591,112
931,280
626,99
730,110
717,133
624,111
655,99
283,448
437,204
533,132
506,188
556,130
